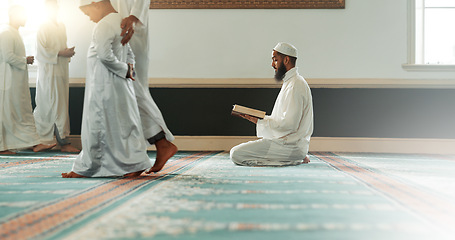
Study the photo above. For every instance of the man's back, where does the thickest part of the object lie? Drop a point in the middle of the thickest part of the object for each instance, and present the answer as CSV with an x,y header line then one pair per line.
x,y
291,120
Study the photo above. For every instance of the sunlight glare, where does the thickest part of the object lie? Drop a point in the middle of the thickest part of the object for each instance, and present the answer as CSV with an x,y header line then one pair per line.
x,y
35,9
36,12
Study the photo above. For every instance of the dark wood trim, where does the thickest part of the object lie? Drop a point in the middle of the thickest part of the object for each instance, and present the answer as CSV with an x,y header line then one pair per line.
x,y
247,4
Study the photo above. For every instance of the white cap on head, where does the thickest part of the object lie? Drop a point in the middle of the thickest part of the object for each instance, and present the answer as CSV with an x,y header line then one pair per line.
x,y
286,49
88,2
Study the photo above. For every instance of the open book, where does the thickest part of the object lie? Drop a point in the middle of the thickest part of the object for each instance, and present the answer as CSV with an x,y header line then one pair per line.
x,y
237,110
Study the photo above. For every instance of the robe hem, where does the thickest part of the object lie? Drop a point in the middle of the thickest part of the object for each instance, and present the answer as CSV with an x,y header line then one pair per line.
x,y
21,146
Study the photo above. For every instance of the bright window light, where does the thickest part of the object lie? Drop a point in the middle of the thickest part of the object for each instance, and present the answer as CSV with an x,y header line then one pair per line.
x,y
36,14
437,24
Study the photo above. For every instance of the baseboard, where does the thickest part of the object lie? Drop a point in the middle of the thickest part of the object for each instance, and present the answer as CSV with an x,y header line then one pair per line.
x,y
323,144
192,143
383,145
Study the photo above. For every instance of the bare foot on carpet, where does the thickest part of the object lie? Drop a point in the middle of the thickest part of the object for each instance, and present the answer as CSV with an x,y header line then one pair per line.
x,y
72,175
134,174
164,151
7,152
306,160
43,147
69,148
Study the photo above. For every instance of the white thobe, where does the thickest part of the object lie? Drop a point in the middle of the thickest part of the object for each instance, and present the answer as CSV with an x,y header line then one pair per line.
x,y
52,87
112,139
151,117
17,126
285,134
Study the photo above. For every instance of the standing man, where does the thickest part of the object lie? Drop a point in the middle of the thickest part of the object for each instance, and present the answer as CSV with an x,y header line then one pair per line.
x,y
286,132
52,86
112,139
17,126
135,31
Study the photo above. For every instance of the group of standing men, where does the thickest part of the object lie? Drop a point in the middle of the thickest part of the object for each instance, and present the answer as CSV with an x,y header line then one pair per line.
x,y
119,114
19,129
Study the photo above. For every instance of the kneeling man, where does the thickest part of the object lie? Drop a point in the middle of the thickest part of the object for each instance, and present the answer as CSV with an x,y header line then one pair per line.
x,y
285,134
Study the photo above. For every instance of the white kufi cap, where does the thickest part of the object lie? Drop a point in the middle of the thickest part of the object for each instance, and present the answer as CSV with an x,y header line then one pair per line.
x,y
286,49
88,2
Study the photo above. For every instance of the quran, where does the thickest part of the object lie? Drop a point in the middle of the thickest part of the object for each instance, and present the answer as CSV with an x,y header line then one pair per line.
x,y
237,110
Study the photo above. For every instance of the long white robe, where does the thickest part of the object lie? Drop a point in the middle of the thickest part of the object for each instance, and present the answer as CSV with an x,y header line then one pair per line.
x,y
112,139
17,126
52,87
286,132
151,117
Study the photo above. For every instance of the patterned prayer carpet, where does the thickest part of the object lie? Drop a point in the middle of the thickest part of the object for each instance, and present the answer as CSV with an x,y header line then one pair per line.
x,y
202,195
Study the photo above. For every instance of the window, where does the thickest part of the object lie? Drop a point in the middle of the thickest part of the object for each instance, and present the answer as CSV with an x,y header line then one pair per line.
x,y
431,35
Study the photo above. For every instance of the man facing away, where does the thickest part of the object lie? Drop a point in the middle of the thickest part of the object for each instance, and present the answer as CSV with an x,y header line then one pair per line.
x,y
52,86
285,134
112,137
17,125
136,32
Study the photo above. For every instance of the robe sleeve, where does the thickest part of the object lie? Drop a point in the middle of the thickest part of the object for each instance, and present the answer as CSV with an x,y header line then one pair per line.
x,y
9,56
286,121
104,37
140,10
130,55
46,52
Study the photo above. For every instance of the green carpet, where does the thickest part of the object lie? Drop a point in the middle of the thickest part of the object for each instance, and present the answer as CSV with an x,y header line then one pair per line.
x,y
203,195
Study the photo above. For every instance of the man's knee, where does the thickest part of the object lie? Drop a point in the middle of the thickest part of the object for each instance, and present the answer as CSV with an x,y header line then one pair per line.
x,y
235,155
241,156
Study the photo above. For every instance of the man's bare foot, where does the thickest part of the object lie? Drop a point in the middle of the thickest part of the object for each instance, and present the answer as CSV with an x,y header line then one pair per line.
x,y
164,151
69,148
134,174
43,147
72,175
306,160
7,152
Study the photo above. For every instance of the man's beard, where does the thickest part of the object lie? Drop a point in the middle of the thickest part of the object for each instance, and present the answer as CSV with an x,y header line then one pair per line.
x,y
280,72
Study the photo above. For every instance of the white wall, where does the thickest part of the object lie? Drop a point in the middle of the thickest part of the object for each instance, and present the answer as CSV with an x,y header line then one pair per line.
x,y
368,39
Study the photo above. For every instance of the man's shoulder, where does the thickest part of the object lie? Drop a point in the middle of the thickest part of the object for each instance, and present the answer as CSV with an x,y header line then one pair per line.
x,y
2,32
9,33
113,17
49,26
111,21
298,85
5,29
299,81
